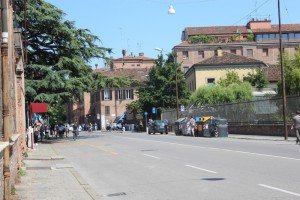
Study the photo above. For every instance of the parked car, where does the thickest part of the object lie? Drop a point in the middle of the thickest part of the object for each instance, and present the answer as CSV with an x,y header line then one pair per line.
x,y
157,126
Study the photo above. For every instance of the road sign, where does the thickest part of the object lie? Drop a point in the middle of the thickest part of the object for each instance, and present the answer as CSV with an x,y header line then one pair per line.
x,y
154,110
182,108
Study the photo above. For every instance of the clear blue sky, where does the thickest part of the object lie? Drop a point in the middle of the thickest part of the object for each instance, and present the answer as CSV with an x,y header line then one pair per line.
x,y
142,25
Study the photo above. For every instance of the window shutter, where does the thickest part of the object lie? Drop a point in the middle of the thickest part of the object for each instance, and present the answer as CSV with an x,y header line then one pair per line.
x,y
124,94
132,94
116,94
110,94
102,94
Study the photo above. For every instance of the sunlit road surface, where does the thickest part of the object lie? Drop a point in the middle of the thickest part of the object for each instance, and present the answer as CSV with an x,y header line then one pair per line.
x,y
137,166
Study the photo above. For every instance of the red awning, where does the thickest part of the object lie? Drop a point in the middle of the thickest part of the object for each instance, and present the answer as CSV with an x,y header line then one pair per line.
x,y
38,107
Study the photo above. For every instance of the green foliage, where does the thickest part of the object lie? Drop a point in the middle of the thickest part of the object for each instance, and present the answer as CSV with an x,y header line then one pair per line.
x,y
13,190
22,172
257,79
57,70
209,95
202,39
292,74
25,154
250,37
231,77
160,89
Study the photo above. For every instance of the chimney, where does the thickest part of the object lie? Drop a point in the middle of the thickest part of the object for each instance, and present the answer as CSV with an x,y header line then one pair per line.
x,y
219,52
123,52
141,54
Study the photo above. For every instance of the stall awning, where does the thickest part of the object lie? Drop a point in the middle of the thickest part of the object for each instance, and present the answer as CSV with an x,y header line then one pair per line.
x,y
38,107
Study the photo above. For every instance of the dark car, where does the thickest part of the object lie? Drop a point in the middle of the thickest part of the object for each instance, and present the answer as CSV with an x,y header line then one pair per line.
x,y
157,126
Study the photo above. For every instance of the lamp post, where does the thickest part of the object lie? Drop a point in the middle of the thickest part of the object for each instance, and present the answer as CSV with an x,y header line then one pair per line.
x,y
176,79
282,74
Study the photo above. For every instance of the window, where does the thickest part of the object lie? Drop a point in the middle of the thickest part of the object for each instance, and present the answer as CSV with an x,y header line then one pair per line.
x,y
249,52
265,52
185,54
201,54
233,51
127,94
259,37
106,95
119,94
107,110
297,36
185,69
210,81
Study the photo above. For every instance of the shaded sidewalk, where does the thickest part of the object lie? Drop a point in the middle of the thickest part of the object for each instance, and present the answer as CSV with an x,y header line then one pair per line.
x,y
50,177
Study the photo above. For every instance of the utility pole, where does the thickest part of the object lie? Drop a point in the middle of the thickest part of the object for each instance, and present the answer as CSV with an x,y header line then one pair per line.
x,y
282,76
5,96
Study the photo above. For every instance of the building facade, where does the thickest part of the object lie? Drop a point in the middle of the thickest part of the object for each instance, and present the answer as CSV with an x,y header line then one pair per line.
x,y
259,39
209,71
105,104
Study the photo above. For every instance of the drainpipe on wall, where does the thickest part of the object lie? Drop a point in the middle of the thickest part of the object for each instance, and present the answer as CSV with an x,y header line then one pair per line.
x,y
5,96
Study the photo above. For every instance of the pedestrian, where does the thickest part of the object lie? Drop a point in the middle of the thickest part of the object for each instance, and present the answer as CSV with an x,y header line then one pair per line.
x,y
192,125
166,122
140,126
67,129
42,131
29,139
296,126
75,131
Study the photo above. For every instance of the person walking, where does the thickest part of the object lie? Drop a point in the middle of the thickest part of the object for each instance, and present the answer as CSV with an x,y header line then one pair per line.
x,y
296,126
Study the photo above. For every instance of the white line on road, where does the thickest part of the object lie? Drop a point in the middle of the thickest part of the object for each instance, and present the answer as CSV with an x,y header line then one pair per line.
x,y
206,170
220,149
278,189
151,156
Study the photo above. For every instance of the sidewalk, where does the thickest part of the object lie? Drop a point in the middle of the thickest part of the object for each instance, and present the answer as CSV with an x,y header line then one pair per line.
x,y
50,177
256,137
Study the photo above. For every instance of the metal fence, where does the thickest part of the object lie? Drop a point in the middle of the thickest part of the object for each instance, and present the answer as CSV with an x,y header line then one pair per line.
x,y
264,111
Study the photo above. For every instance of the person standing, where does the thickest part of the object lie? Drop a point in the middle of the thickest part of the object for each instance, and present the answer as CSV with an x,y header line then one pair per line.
x,y
75,130
192,124
296,126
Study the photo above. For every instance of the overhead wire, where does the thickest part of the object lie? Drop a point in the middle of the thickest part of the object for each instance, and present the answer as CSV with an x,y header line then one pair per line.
x,y
249,14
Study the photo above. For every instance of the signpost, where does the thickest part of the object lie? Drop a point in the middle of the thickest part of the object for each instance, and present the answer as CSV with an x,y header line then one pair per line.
x,y
146,124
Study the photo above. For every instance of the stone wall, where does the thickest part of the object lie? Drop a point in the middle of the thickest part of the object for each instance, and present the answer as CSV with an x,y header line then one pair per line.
x,y
3,145
260,129
15,158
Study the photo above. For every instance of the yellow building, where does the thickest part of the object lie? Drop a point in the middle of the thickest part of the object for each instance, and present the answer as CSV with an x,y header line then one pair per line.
x,y
210,71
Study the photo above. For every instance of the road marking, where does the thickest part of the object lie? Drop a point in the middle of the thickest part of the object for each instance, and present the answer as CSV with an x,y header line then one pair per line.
x,y
220,149
97,147
280,190
151,156
206,170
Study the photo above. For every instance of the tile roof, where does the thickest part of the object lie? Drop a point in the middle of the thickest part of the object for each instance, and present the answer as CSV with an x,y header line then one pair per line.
x,y
275,28
272,72
134,58
223,30
227,59
215,30
133,73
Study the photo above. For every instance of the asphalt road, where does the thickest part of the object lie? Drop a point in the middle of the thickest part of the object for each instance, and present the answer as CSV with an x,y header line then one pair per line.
x,y
137,166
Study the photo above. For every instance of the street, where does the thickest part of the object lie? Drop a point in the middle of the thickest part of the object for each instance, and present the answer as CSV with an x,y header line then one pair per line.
x,y
138,166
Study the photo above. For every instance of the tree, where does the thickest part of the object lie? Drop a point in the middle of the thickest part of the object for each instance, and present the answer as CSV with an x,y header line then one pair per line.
x,y
258,79
228,89
160,89
57,69
231,77
292,74
209,95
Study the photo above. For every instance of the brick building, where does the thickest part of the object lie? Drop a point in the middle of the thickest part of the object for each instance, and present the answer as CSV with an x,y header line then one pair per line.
x,y
12,101
259,39
105,104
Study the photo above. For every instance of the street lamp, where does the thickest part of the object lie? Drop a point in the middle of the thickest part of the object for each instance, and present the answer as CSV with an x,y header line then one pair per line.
x,y
176,86
171,10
